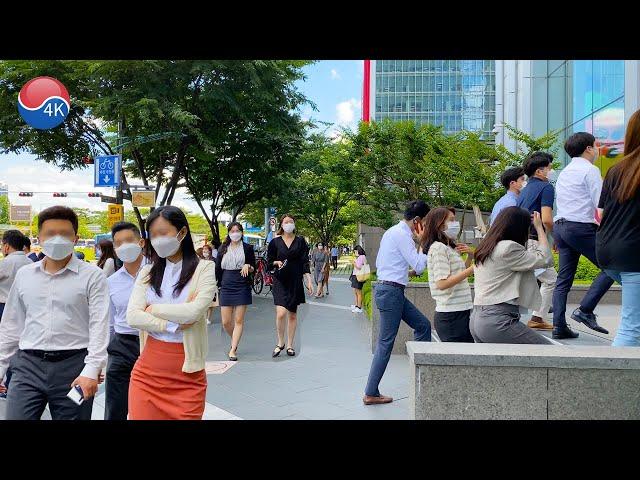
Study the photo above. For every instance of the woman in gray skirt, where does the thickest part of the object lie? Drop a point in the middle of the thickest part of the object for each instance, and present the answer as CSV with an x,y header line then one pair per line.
x,y
235,261
319,259
505,279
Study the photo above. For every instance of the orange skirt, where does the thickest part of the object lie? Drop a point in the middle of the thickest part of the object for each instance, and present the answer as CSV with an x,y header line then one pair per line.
x,y
160,390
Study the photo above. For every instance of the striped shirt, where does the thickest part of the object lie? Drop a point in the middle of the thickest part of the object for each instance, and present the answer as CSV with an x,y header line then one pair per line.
x,y
442,262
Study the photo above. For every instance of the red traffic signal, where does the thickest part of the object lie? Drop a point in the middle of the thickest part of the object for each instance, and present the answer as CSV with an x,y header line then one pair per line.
x,y
25,194
94,194
87,160
56,194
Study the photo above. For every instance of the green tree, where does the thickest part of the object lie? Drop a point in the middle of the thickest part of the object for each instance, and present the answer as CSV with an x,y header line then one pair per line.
x,y
173,116
4,209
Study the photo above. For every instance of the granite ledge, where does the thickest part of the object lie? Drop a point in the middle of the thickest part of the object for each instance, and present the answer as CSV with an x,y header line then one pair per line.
x,y
533,356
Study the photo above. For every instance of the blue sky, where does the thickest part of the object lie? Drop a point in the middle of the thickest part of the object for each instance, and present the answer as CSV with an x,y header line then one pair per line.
x,y
335,86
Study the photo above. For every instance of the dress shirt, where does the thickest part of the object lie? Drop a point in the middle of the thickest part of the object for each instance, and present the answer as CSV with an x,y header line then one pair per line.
x,y
8,269
66,310
109,267
509,199
120,288
578,191
397,253
171,276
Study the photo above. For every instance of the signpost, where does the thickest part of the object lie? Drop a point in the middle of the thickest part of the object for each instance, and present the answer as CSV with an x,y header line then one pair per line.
x,y
94,228
20,213
107,171
115,214
143,198
272,224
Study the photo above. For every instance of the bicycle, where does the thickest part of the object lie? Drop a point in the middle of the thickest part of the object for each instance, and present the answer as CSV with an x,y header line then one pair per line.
x,y
261,277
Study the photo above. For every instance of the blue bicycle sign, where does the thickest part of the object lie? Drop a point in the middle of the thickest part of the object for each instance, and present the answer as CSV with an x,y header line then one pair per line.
x,y
107,171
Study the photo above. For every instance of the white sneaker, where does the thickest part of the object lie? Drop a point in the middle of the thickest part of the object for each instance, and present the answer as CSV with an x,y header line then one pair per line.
x,y
353,309
357,310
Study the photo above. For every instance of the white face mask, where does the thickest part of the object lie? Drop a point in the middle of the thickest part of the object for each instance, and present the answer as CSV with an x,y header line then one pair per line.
x,y
206,254
57,248
289,227
452,230
524,184
166,246
235,236
128,252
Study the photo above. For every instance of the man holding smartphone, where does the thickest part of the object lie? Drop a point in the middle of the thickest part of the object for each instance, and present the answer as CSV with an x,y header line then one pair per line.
x,y
56,322
397,254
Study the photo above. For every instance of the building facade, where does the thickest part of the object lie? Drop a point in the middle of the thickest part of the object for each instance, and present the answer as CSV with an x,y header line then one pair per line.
x,y
455,94
568,96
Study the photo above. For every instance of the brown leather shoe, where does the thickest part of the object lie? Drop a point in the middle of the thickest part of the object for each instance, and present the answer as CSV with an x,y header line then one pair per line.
x,y
538,323
369,400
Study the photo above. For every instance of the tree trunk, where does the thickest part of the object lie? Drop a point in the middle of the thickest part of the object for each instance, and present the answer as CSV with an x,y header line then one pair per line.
x,y
464,214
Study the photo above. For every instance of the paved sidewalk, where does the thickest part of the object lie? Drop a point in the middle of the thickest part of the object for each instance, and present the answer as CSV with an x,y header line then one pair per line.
x,y
326,379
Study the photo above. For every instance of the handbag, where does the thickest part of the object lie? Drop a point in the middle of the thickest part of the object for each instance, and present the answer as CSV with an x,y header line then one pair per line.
x,y
363,273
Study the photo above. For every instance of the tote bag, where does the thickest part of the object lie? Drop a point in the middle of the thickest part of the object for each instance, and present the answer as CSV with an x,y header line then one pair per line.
x,y
363,273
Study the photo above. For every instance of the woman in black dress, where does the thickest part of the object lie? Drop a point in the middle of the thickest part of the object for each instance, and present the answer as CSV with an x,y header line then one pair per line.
x,y
288,291
236,260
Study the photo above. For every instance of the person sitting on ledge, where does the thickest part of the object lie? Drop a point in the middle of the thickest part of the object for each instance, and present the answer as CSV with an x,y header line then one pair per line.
x,y
505,279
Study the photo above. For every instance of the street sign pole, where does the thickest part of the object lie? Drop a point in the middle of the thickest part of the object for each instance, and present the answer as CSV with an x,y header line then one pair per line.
x,y
119,188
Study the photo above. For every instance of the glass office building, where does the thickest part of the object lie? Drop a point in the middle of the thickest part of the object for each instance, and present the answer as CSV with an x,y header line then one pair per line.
x,y
456,94
581,96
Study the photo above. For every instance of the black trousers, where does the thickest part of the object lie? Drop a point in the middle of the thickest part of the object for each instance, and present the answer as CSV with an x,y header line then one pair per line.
x,y
36,382
123,351
574,239
453,326
334,262
8,374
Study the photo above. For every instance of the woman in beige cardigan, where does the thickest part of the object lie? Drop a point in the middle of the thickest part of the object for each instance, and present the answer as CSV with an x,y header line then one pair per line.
x,y
169,304
505,279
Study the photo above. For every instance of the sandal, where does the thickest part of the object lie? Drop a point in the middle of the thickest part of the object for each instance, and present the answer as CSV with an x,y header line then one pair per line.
x,y
277,351
291,352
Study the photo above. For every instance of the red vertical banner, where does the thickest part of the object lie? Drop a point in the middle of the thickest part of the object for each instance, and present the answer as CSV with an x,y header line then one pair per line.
x,y
366,91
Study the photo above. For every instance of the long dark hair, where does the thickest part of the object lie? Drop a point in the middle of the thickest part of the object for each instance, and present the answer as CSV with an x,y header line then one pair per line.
x,y
512,223
227,241
106,252
190,260
433,232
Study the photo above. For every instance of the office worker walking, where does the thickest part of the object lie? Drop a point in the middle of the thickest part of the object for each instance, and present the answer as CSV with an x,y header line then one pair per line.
x,y
56,322
168,304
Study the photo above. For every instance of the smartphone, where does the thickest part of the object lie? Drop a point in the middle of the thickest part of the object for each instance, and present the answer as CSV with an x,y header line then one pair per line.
x,y
76,395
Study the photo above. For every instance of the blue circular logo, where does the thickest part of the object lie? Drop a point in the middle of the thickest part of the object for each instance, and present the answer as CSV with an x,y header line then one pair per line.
x,y
43,103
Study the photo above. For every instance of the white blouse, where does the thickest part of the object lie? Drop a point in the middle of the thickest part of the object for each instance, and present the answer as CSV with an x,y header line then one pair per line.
x,y
233,258
171,276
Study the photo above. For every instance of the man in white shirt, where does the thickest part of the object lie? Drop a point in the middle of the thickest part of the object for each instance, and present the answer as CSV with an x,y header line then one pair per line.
x,y
124,346
397,254
14,259
577,194
56,323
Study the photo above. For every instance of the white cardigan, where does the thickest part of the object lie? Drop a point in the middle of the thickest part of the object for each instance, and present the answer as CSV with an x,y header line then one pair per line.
x,y
195,339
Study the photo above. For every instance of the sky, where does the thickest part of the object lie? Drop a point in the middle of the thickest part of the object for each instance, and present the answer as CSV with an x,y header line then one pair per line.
x,y
334,86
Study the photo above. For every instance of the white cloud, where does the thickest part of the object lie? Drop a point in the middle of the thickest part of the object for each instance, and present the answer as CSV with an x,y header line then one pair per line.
x,y
348,112
335,75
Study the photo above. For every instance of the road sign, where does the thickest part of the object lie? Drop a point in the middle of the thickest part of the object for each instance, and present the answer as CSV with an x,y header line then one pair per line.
x,y
272,211
272,223
94,228
20,213
115,214
107,171
143,198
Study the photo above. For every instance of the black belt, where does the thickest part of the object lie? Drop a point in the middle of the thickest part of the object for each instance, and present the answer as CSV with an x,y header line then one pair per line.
x,y
54,355
392,284
128,336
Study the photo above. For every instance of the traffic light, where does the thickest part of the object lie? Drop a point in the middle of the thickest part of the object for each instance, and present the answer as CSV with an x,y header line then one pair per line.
x,y
87,160
25,194
56,194
94,194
